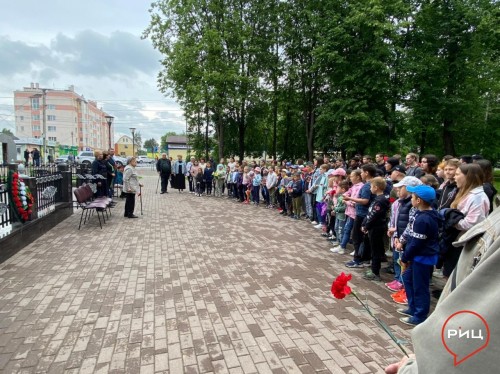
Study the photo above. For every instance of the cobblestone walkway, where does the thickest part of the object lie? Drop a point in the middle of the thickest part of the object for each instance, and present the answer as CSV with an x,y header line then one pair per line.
x,y
195,285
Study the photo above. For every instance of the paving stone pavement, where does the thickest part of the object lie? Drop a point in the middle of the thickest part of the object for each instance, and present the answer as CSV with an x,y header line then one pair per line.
x,y
195,285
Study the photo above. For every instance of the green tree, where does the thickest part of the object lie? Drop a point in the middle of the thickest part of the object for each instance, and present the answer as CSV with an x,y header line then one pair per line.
x,y
7,132
150,144
454,55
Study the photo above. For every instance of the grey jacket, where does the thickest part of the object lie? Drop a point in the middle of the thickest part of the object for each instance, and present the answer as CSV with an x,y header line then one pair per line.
x,y
478,290
130,180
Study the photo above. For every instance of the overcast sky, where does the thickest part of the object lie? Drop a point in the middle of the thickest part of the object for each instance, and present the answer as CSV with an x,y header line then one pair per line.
x,y
93,45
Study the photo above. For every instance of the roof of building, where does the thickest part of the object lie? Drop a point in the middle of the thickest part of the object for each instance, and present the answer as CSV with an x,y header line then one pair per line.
x,y
177,139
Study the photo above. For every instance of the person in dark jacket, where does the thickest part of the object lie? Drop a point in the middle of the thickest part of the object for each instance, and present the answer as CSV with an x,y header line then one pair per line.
x,y
100,172
375,225
296,192
35,155
401,211
208,178
26,156
420,255
164,169
110,169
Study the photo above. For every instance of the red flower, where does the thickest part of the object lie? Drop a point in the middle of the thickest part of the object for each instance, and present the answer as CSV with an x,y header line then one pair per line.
x,y
340,289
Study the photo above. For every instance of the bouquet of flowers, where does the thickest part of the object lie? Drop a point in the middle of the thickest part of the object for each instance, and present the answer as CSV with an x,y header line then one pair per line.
x,y
216,175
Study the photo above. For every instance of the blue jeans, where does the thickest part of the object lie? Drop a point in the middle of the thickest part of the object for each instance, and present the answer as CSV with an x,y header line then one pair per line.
x,y
256,194
339,228
265,195
397,268
309,205
416,281
346,234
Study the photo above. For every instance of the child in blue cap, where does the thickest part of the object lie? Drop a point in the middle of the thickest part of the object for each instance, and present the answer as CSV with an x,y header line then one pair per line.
x,y
420,255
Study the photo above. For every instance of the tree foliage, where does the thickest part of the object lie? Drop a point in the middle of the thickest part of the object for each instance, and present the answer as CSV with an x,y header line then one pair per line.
x,y
297,78
150,144
7,132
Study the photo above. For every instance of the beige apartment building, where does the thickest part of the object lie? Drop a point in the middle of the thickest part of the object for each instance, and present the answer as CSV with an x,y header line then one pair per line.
x,y
72,122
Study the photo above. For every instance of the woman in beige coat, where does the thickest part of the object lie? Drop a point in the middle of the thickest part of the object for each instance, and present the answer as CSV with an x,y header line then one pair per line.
x,y
130,187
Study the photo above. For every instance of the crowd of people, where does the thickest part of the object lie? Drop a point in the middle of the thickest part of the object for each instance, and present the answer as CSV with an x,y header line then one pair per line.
x,y
413,208
413,211
410,209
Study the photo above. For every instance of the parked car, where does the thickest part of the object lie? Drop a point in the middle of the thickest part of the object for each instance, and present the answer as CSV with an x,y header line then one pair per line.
x,y
120,161
63,159
85,158
144,160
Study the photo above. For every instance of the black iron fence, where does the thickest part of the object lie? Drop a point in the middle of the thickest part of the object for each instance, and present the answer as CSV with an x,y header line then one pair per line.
x,y
5,212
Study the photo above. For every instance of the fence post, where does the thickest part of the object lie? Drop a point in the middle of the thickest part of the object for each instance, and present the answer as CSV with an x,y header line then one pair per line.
x,y
66,183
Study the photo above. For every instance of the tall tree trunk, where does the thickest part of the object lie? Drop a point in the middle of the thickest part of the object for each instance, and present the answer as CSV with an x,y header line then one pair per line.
x,y
275,118
241,131
220,134
423,140
206,132
448,141
310,121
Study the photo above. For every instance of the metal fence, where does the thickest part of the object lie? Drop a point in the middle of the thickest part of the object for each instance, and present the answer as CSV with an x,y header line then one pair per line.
x,y
5,211
48,189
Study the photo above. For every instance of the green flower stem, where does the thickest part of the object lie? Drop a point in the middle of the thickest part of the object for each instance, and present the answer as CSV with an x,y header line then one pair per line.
x,y
381,324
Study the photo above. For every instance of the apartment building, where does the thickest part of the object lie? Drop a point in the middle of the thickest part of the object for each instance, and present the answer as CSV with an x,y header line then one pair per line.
x,y
72,122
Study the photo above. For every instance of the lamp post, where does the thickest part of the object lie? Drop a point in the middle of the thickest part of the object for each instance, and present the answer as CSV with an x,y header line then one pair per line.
x,y
132,130
109,120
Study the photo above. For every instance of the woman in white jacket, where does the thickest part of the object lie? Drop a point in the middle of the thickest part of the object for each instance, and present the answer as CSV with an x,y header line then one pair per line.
x,y
473,202
471,199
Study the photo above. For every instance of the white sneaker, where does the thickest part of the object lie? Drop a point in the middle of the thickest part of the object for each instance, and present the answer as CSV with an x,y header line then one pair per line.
x,y
318,226
352,253
341,251
314,222
335,249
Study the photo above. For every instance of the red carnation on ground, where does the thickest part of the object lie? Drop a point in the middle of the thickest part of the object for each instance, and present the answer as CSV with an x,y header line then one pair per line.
x,y
340,289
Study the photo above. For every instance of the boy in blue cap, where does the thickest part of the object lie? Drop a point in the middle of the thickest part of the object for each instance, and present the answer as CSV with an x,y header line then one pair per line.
x,y
420,255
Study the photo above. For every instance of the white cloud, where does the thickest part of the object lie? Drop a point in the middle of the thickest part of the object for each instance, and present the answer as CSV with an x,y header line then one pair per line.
x,y
97,48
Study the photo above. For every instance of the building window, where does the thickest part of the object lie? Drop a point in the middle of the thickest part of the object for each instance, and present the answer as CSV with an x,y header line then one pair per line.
x,y
21,118
36,117
51,117
52,128
36,128
35,103
22,128
51,106
52,138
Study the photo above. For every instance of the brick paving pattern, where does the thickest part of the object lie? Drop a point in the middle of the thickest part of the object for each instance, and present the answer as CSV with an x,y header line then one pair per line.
x,y
195,285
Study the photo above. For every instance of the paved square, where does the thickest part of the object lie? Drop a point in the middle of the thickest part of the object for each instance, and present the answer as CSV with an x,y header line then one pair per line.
x,y
195,285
